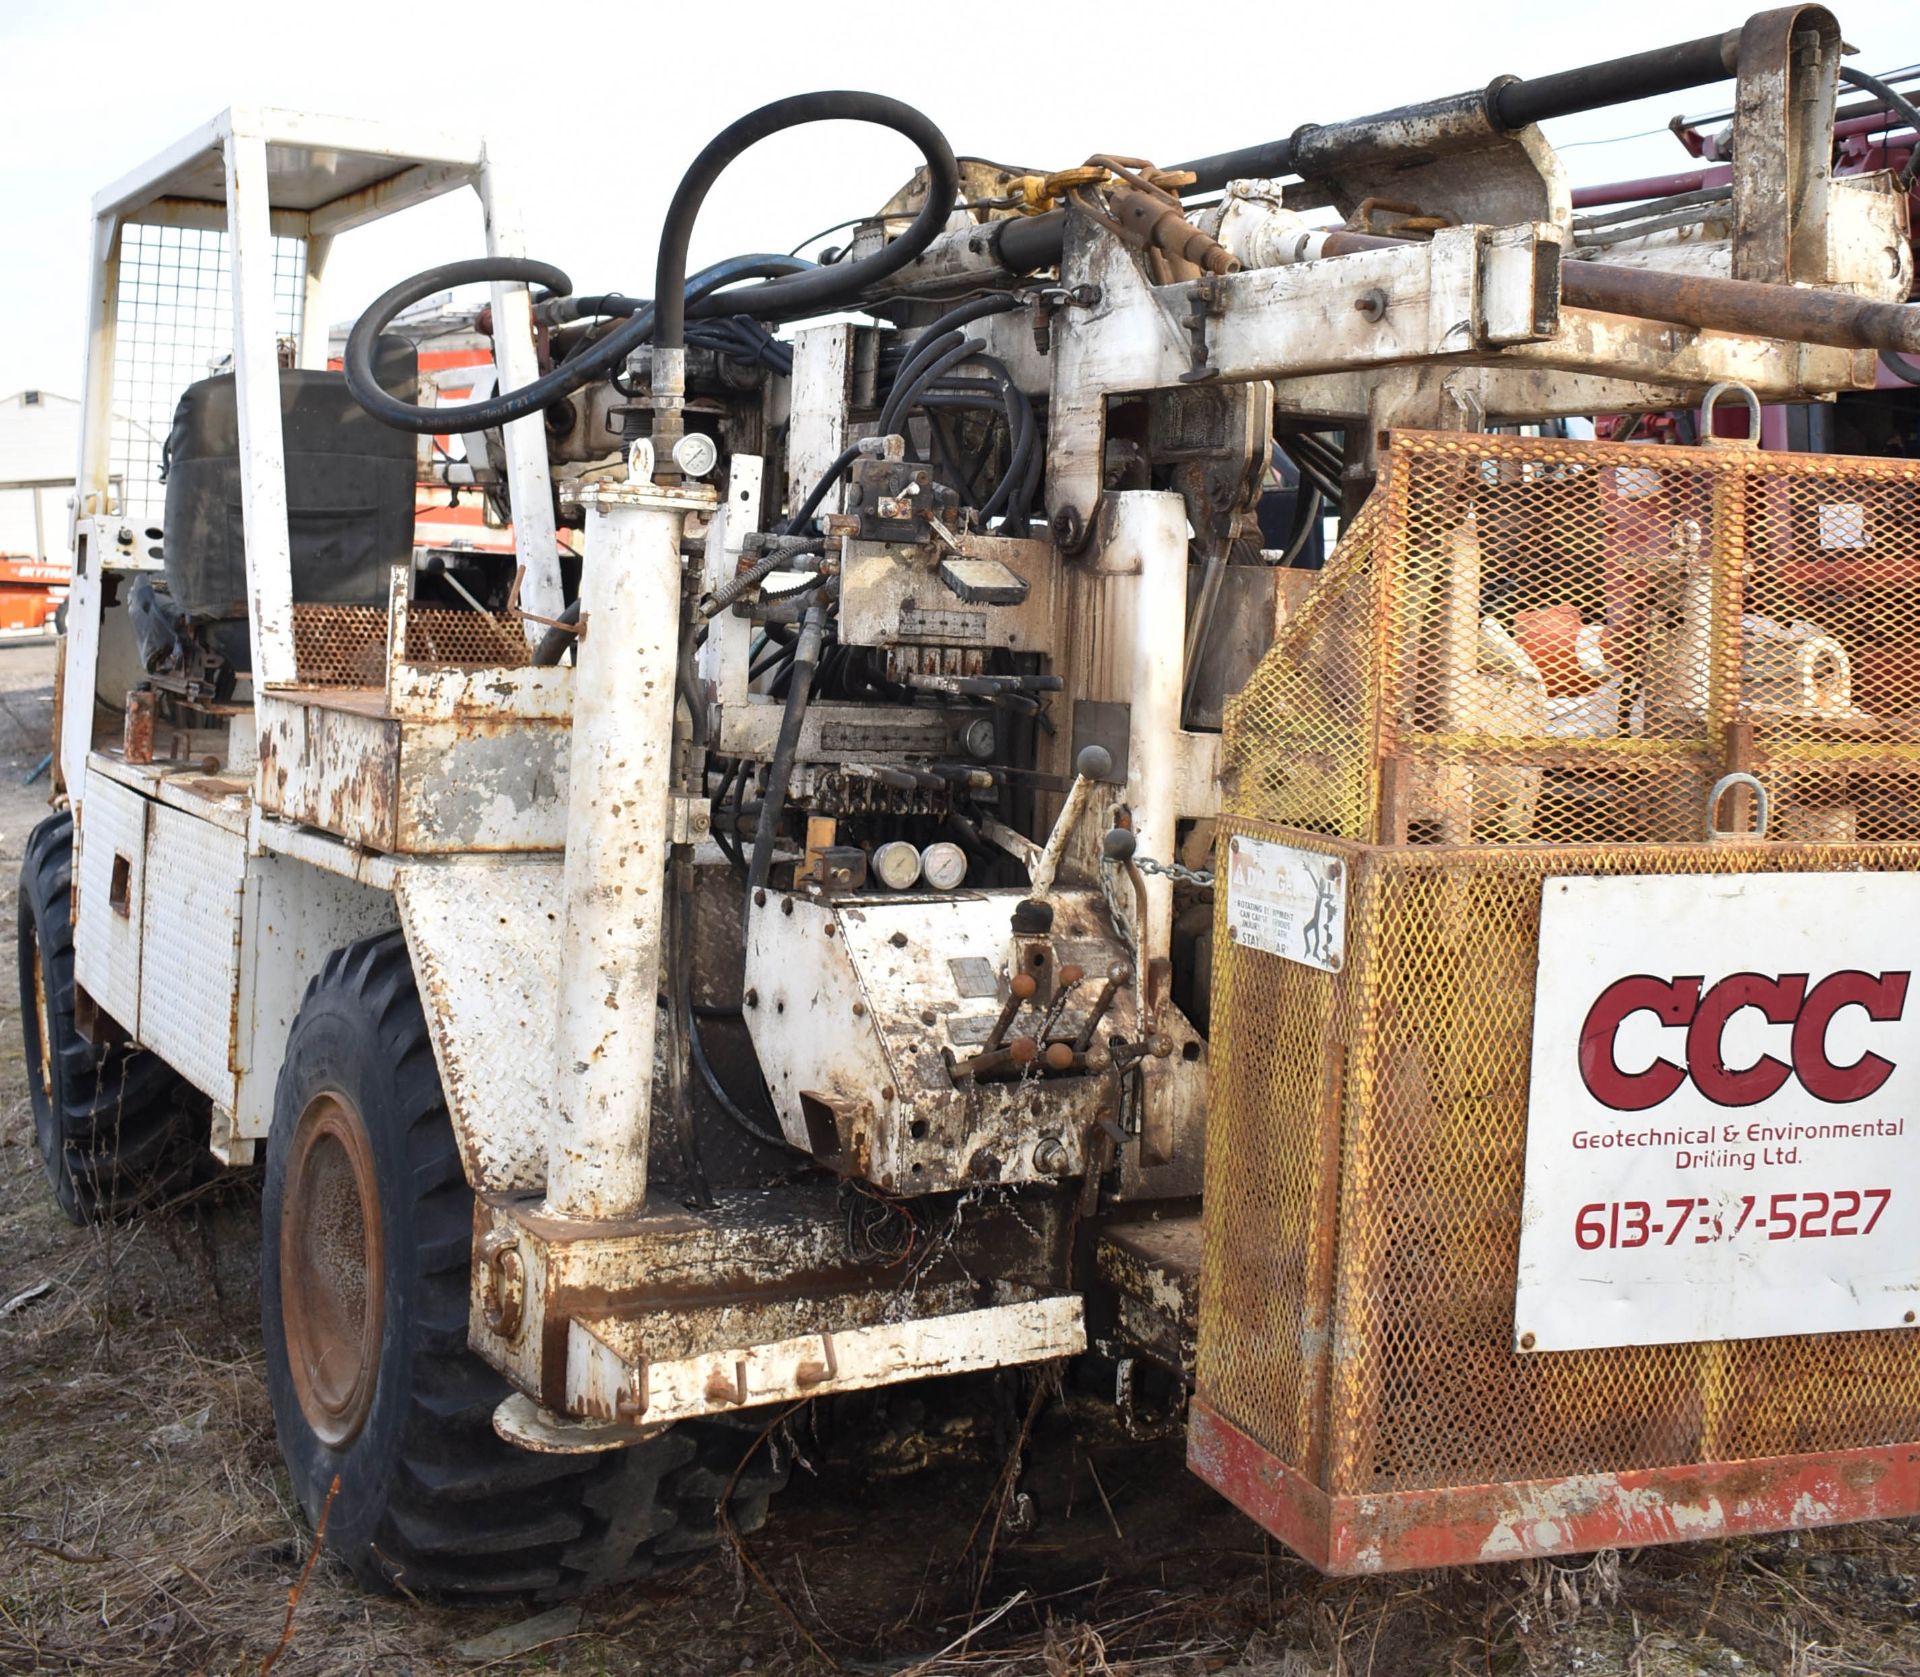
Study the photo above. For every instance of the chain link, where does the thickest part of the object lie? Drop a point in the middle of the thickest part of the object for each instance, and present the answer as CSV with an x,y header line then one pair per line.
x,y
1174,871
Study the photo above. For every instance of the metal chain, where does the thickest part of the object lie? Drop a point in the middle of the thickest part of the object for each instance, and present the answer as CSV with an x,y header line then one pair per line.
x,y
1174,871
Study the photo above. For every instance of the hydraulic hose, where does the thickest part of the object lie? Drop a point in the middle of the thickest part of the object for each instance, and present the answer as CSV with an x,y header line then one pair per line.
x,y
906,393
818,288
552,646
797,524
813,634
1908,111
1899,366
1306,515
923,348
581,368
726,1102
1022,441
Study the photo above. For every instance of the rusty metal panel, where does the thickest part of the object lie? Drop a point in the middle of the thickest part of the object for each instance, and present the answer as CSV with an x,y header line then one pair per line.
x,y
1154,1271
753,1276
190,948
451,784
484,937
348,646
1576,1515
110,828
464,639
340,646
604,1384
329,766
1528,660
482,786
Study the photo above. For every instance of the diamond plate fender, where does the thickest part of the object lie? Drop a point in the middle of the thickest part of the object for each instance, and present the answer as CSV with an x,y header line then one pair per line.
x,y
484,938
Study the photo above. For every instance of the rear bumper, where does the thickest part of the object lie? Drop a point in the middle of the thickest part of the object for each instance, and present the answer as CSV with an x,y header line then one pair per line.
x,y
1469,1524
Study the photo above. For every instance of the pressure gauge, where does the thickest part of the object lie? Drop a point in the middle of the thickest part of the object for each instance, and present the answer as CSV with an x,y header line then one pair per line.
x,y
696,454
981,739
944,865
897,865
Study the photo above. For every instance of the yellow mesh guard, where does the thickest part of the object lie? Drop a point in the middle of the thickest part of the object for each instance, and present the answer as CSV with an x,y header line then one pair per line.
x,y
1434,715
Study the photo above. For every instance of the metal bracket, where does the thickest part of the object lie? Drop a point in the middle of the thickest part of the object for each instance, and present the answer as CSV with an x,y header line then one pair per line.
x,y
690,820
1204,302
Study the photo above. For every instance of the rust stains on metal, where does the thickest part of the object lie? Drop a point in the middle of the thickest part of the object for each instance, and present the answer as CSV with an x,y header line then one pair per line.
x,y
1467,1525
756,1270
1744,306
137,738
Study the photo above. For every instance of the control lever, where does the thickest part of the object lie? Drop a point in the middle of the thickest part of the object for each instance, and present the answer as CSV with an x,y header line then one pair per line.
x,y
1015,1057
1092,766
1117,974
1020,989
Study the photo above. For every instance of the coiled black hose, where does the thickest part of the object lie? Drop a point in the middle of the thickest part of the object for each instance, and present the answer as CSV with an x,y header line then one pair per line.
x,y
943,334
818,288
586,364
1898,102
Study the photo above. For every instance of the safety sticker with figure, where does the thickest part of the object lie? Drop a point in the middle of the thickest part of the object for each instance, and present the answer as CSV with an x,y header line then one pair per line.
x,y
1288,902
1718,1136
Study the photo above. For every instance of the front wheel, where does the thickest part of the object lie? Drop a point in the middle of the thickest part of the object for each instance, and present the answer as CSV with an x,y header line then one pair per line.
x,y
366,1240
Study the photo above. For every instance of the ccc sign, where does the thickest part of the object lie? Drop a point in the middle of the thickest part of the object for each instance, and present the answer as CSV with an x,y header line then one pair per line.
x,y
1786,1000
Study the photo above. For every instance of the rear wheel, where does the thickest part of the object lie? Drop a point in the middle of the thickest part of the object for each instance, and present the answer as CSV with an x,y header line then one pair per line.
x,y
365,1247
116,1126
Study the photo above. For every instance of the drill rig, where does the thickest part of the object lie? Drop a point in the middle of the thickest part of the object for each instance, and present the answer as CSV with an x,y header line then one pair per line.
x,y
895,877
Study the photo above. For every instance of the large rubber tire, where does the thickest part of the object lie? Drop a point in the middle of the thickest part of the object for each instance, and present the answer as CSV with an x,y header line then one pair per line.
x,y
366,1239
117,1128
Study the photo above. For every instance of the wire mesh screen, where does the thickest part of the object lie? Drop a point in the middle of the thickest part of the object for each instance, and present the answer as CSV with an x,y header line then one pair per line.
x,y
1527,658
1536,641
1365,1165
174,326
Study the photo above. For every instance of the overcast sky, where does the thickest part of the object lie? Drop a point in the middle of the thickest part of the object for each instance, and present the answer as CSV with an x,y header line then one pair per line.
x,y
602,107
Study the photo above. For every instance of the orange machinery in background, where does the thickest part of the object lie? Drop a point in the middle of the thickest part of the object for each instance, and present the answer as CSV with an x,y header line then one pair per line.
x,y
31,594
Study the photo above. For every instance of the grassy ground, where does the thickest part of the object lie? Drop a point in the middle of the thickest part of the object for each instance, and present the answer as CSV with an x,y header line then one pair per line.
x,y
145,1526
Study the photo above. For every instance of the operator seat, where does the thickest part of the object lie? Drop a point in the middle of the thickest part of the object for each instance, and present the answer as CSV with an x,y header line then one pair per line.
x,y
350,499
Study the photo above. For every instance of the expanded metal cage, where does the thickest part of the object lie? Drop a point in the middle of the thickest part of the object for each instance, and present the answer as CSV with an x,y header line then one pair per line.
x,y
1535,641
1692,611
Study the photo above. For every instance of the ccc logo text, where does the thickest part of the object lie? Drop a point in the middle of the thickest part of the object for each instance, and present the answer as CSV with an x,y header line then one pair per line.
x,y
1786,1000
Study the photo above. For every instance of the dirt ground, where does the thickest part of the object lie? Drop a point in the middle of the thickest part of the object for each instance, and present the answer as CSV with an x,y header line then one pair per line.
x,y
145,1525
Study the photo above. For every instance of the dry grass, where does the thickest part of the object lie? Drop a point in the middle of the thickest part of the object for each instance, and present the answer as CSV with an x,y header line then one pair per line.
x,y
145,1526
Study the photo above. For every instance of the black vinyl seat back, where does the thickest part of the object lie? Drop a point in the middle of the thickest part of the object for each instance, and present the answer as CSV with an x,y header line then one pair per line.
x,y
350,498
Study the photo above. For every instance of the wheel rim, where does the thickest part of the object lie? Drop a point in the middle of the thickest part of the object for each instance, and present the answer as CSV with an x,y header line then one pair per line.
x,y
42,1020
331,1293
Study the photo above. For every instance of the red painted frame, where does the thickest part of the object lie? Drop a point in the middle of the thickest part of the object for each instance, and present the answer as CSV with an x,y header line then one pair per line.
x,y
1463,1525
